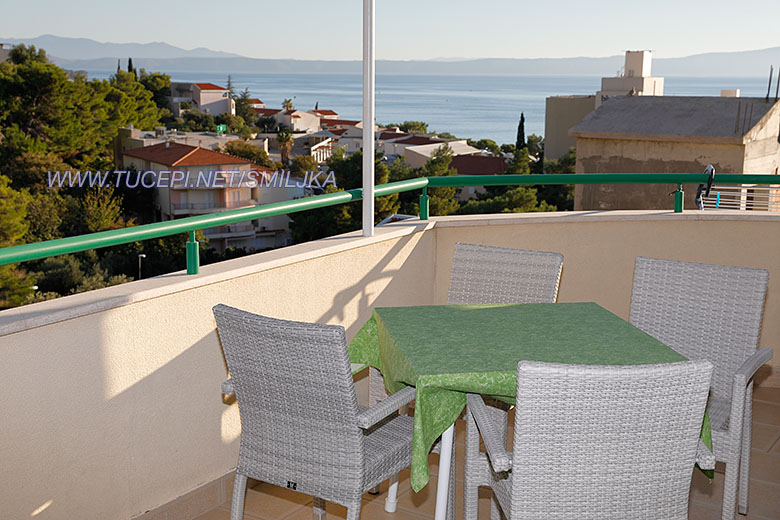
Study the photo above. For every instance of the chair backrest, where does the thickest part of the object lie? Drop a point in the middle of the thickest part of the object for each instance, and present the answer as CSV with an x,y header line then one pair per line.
x,y
703,311
487,274
611,442
296,398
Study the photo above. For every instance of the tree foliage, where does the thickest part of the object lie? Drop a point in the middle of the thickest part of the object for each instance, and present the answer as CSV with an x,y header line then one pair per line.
x,y
249,152
284,140
414,127
301,164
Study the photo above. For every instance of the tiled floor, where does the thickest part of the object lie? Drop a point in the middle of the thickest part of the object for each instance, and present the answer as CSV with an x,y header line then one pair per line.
x,y
266,502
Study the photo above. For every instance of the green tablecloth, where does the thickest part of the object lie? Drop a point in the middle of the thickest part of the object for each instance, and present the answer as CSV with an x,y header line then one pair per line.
x,y
446,351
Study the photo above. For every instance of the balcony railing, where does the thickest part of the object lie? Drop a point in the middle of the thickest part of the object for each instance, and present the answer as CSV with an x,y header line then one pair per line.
x,y
14,254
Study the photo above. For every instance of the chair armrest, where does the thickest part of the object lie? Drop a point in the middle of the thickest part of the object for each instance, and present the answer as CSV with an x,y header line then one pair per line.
x,y
748,369
227,387
500,459
385,407
705,459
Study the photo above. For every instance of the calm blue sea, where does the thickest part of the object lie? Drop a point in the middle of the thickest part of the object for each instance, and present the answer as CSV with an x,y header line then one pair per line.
x,y
468,106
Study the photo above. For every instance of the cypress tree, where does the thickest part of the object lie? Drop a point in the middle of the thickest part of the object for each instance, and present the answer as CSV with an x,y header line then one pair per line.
x,y
521,133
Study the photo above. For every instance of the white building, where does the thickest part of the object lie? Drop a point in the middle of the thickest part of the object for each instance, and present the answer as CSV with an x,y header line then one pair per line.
x,y
189,196
207,98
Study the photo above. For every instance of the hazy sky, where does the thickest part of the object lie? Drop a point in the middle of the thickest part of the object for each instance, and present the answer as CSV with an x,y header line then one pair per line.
x,y
411,29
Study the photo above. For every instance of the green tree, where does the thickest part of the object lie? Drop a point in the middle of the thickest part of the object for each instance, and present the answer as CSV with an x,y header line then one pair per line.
x,y
284,140
516,200
101,210
132,103
159,85
44,215
287,104
561,195
244,108
414,127
22,54
520,142
15,285
230,87
130,68
303,163
249,152
441,201
486,144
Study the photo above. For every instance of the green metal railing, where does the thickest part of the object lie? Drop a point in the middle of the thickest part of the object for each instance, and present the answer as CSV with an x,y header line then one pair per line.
x,y
189,225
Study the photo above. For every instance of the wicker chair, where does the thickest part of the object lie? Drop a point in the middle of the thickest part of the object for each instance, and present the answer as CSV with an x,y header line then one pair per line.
x,y
301,426
593,442
711,312
487,275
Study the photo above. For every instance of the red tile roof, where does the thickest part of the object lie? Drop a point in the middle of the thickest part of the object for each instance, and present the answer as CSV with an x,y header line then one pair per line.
x,y
209,86
267,111
256,101
418,139
290,112
478,164
337,131
338,122
177,154
385,136
325,112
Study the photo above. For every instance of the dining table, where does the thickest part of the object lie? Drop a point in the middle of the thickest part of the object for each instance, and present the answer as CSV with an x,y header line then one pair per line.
x,y
449,351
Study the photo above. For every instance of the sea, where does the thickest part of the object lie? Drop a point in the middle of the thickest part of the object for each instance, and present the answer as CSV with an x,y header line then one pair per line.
x,y
468,106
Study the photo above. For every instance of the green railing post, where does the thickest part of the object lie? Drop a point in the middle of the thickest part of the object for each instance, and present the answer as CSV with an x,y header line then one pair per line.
x,y
679,199
193,255
424,204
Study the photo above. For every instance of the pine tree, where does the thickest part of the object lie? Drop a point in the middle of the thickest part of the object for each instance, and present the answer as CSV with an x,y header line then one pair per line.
x,y
130,67
520,144
230,87
118,66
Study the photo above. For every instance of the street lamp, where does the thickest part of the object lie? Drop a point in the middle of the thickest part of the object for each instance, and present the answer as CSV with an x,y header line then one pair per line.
x,y
140,257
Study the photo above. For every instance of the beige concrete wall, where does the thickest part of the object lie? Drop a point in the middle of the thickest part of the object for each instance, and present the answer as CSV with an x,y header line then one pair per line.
x,y
111,398
560,114
111,414
599,254
644,156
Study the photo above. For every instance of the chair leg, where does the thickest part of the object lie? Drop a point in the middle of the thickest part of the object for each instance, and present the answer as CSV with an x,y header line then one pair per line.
x,y
744,458
353,511
471,491
239,491
728,510
391,501
451,490
318,509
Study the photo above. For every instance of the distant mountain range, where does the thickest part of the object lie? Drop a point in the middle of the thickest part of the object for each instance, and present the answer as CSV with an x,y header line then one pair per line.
x,y
85,54
86,49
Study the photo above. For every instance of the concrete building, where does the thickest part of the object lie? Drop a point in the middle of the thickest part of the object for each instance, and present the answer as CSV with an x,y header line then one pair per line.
x,y
5,51
201,193
563,112
417,156
476,165
129,138
671,134
207,98
298,120
634,80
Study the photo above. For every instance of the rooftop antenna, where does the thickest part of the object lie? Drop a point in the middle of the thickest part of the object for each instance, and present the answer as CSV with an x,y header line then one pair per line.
x,y
769,87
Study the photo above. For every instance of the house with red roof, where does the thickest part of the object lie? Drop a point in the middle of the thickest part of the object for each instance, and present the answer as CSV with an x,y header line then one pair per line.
x,y
195,181
207,98
298,120
324,114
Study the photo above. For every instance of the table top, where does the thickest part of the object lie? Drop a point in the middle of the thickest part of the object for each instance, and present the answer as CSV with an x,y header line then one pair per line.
x,y
446,351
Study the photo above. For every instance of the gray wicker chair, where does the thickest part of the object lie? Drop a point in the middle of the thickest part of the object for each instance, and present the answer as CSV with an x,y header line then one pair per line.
x,y
487,275
301,426
593,442
711,312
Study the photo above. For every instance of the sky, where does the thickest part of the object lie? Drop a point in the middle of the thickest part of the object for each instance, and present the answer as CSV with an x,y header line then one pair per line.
x,y
411,29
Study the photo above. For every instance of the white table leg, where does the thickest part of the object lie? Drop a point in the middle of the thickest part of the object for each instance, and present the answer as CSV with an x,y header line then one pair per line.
x,y
443,484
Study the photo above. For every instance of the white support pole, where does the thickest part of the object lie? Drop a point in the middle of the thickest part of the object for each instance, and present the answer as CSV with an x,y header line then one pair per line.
x,y
369,22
